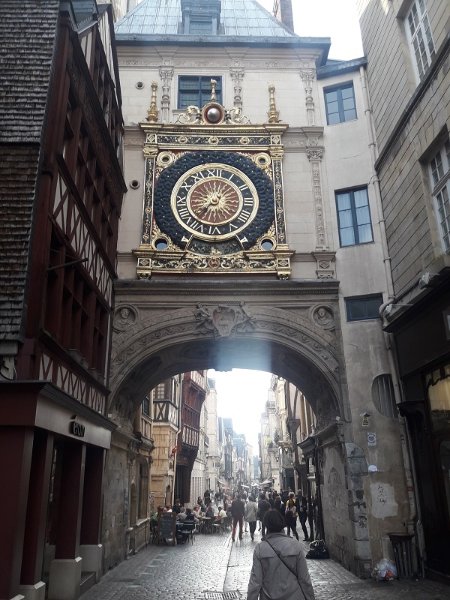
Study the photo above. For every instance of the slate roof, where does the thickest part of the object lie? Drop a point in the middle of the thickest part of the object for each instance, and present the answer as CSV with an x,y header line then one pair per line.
x,y
18,172
240,18
27,32
27,35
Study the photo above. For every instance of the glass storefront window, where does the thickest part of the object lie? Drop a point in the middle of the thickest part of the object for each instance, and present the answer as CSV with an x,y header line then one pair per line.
x,y
444,455
439,397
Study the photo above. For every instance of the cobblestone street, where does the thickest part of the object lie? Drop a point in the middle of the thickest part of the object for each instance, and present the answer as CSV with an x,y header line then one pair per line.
x,y
214,568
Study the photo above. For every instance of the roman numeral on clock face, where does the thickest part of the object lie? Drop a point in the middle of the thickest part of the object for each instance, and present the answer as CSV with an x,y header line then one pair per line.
x,y
244,216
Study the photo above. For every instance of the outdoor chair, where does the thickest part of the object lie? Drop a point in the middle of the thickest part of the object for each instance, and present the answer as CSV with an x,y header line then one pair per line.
x,y
188,531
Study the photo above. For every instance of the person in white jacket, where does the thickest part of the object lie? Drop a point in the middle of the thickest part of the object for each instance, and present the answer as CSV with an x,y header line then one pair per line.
x,y
251,515
279,570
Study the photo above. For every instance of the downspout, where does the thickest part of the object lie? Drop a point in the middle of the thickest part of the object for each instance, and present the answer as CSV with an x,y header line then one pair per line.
x,y
414,524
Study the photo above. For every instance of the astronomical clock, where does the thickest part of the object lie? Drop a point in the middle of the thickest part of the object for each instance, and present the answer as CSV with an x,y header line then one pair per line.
x,y
213,199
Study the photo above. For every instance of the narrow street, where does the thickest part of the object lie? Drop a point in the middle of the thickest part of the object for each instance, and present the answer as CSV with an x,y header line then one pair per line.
x,y
214,568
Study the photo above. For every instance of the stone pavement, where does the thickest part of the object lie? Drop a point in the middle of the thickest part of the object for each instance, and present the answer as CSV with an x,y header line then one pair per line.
x,y
214,568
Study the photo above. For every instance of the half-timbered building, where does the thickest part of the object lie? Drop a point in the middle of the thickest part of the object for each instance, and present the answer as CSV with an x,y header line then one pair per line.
x,y
61,189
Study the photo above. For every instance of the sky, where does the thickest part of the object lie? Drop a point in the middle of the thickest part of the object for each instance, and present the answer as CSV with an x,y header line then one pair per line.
x,y
336,19
241,396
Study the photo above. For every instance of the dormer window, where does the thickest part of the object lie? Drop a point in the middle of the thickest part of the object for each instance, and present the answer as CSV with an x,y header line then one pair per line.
x,y
200,17
200,27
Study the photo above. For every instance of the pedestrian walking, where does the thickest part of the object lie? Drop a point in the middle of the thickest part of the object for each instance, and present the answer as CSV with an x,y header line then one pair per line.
x,y
279,505
263,507
302,510
251,511
290,515
237,512
279,570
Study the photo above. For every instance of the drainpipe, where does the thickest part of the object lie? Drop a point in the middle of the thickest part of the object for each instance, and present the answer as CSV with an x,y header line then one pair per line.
x,y
414,524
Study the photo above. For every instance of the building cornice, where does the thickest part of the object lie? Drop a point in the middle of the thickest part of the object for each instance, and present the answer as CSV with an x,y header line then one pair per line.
x,y
322,44
340,67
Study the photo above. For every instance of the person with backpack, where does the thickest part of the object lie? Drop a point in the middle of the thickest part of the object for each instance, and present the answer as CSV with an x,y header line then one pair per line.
x,y
290,515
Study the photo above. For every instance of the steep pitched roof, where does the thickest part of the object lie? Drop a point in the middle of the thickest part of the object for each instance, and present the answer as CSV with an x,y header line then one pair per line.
x,y
239,18
27,34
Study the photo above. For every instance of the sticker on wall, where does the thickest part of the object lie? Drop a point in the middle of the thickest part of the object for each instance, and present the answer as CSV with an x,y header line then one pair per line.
x,y
383,500
371,438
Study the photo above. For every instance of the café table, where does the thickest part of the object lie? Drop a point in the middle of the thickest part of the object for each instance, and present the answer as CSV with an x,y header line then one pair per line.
x,y
206,524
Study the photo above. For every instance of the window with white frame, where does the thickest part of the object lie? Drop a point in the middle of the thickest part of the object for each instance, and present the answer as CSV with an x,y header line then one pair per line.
x,y
340,103
196,90
353,211
439,168
419,36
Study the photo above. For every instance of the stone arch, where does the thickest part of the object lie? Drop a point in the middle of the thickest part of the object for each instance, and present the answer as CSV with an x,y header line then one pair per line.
x,y
157,344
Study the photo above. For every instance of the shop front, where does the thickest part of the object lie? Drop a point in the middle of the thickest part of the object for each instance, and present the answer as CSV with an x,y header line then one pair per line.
x,y
422,337
52,451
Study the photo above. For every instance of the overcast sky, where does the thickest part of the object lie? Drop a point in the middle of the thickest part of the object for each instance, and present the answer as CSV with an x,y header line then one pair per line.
x,y
336,19
241,396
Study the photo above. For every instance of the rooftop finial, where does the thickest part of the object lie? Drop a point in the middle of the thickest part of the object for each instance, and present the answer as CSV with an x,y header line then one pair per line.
x,y
274,115
213,90
152,114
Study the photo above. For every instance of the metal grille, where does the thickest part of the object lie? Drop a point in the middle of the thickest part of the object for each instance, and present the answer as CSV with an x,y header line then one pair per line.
x,y
222,595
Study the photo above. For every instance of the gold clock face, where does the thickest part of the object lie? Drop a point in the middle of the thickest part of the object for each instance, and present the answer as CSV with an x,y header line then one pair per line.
x,y
214,201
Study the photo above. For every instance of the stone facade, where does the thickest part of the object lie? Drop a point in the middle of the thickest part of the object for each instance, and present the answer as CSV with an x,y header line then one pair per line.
x,y
410,104
300,329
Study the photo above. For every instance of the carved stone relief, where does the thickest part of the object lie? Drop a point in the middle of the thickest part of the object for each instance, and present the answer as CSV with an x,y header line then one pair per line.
x,y
222,320
166,75
323,316
237,75
125,316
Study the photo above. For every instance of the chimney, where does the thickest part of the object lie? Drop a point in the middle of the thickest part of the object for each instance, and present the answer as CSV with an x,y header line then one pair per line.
x,y
282,10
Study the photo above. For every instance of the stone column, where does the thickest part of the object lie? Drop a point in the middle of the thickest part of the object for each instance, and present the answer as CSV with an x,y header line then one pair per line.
x,y
237,75
65,570
16,446
166,75
90,548
34,541
315,156
307,76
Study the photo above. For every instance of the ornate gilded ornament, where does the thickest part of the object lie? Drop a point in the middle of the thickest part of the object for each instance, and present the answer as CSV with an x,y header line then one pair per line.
x,y
152,115
273,114
213,200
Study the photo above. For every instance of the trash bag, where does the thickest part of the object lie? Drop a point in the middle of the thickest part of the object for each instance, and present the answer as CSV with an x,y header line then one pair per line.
x,y
384,570
317,549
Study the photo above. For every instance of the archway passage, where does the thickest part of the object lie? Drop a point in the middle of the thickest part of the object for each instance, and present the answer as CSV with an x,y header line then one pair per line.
x,y
224,355
287,328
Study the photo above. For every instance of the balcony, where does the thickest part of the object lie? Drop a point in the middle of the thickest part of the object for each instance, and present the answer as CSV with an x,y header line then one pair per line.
x,y
190,436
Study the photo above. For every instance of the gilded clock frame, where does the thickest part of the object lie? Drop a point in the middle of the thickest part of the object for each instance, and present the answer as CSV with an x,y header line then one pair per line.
x,y
164,144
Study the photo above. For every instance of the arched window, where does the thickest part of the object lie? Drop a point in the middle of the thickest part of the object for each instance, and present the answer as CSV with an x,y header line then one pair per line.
x,y
383,396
